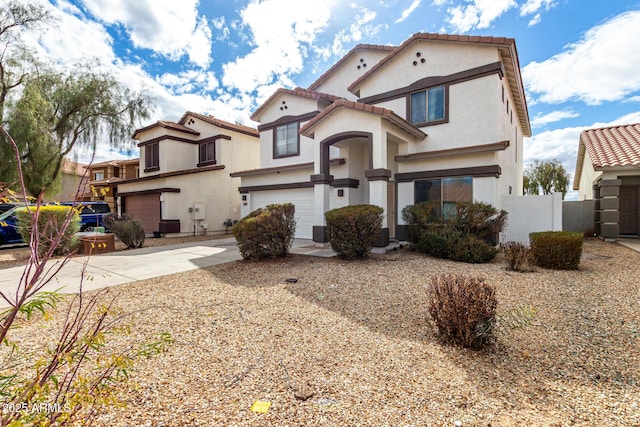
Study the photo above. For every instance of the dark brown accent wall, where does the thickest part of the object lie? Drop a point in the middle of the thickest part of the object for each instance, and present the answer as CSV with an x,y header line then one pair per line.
x,y
150,191
321,178
346,183
476,172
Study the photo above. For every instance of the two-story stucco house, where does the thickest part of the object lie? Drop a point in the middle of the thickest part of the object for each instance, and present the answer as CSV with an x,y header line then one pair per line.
x,y
439,117
184,184
105,176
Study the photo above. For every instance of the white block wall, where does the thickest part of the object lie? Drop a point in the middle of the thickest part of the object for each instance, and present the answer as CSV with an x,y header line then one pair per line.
x,y
531,213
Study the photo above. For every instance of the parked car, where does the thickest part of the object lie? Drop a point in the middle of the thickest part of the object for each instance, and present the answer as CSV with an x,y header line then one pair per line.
x,y
6,206
91,213
9,233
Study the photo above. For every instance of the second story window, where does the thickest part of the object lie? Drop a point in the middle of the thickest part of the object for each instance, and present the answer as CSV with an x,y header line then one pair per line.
x,y
207,153
427,106
286,140
152,157
99,176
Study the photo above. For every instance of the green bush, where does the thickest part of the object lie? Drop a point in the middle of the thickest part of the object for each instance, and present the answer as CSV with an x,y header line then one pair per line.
x,y
480,220
127,229
463,309
519,257
558,250
468,234
50,219
267,232
353,230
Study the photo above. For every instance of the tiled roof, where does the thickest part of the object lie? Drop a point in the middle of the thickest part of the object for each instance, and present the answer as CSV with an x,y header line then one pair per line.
x,y
220,123
383,112
613,146
305,93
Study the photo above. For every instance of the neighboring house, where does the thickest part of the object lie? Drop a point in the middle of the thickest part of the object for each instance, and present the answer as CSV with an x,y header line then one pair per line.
x,y
74,183
105,176
439,117
184,184
608,171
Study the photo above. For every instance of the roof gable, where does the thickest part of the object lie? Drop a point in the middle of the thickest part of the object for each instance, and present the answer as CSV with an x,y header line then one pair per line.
x,y
303,93
166,125
220,123
307,129
338,65
506,47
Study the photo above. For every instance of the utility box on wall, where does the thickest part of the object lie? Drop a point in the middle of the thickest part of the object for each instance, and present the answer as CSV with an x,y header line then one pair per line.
x,y
199,211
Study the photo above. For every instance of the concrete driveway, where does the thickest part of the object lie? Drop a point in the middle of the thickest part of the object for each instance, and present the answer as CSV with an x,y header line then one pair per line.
x,y
117,268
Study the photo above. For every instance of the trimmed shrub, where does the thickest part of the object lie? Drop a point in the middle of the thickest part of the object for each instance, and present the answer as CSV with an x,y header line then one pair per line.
x,y
519,257
353,230
468,234
481,220
266,232
50,220
463,310
127,229
558,250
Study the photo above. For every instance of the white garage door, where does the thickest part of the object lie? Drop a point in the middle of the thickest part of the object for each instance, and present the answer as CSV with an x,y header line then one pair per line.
x,y
302,198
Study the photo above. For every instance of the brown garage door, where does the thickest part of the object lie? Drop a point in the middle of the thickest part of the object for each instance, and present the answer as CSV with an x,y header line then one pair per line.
x,y
145,208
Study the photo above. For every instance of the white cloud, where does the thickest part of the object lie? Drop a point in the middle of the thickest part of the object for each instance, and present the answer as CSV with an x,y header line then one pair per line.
x,y
562,144
534,6
189,81
590,70
408,11
535,20
280,42
167,27
554,116
478,13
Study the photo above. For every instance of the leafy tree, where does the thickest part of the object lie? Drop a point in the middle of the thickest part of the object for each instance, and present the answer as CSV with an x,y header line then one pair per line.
x,y
549,176
58,111
16,16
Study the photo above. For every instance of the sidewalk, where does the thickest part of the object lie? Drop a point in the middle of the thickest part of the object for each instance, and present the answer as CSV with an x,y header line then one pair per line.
x,y
117,268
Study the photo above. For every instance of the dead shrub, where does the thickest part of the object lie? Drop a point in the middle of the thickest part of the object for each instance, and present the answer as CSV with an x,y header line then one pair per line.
x,y
463,309
519,257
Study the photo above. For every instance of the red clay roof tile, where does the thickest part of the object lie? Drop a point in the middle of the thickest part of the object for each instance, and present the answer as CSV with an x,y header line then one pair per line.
x,y
613,146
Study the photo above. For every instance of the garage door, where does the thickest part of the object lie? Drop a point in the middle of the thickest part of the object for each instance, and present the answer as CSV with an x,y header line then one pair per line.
x,y
146,209
302,198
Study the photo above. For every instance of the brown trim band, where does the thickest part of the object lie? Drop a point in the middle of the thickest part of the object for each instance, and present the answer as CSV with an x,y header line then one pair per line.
x,y
151,191
170,174
346,183
288,119
427,82
287,168
476,172
321,178
380,174
461,151
287,186
187,140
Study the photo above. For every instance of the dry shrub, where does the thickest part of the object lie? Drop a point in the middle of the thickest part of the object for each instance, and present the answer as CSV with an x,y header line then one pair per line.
x,y
127,229
519,257
463,309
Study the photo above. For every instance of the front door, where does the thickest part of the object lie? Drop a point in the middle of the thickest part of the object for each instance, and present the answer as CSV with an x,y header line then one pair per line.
x,y
629,209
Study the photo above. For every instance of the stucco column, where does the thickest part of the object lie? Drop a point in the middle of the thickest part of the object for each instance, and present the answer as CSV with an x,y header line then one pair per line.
x,y
378,180
322,200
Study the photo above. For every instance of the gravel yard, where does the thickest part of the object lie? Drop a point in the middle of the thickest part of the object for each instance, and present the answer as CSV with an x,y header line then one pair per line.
x,y
357,335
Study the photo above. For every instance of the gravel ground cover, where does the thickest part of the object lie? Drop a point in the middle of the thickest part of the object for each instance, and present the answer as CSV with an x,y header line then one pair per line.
x,y
350,343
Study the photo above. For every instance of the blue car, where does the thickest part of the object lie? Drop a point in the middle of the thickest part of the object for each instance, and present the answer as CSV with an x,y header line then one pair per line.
x,y
9,233
91,213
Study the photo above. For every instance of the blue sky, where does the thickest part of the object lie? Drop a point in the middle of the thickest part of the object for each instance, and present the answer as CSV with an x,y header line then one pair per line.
x,y
579,58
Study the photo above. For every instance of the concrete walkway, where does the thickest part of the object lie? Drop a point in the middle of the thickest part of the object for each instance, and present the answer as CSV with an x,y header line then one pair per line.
x,y
116,268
